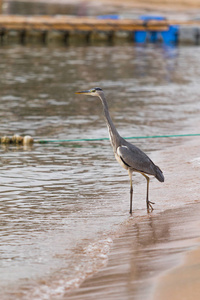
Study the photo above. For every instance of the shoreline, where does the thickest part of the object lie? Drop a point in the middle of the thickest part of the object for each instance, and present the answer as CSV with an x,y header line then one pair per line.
x,y
145,258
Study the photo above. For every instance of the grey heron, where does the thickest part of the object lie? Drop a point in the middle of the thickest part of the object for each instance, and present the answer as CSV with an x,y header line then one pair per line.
x,y
128,156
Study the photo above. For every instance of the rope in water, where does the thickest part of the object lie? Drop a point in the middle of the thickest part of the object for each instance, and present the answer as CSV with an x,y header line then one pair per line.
x,y
105,139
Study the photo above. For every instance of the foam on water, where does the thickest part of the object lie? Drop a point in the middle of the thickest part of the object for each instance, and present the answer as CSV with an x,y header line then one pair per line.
x,y
97,255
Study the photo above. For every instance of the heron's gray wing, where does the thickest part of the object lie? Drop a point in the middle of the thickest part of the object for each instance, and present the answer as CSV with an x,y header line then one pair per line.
x,y
137,160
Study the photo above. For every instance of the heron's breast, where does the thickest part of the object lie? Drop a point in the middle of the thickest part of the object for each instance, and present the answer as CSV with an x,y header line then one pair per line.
x,y
118,158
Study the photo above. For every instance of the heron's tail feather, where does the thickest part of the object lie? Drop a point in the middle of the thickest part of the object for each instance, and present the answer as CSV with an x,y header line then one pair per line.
x,y
159,174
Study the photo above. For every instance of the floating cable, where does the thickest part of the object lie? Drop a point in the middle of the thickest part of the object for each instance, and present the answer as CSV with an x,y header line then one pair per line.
x,y
105,139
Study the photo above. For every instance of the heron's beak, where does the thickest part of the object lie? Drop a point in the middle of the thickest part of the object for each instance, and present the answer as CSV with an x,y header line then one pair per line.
x,y
88,92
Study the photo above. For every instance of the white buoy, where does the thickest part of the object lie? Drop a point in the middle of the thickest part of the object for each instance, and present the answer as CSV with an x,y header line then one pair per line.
x,y
27,140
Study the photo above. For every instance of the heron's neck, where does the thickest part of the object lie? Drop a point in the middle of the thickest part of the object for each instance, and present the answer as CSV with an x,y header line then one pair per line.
x,y
114,135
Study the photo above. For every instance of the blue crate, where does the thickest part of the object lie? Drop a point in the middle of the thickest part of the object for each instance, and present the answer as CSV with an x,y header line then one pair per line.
x,y
152,17
171,36
106,17
168,37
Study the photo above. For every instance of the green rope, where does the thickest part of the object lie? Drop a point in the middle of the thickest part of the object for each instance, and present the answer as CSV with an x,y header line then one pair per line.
x,y
128,138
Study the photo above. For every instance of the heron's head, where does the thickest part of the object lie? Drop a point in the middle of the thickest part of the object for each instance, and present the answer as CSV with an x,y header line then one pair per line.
x,y
92,92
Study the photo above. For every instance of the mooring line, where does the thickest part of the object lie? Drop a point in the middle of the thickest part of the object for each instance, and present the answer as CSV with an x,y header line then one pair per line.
x,y
105,139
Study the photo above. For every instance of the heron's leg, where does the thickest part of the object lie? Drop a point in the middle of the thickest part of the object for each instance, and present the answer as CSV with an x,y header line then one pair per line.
x,y
131,191
149,206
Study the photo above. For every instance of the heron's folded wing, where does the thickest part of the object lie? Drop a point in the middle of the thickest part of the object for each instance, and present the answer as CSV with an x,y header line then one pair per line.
x,y
136,159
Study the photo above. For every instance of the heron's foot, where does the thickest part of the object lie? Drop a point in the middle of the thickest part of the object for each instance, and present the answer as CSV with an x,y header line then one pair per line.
x,y
149,206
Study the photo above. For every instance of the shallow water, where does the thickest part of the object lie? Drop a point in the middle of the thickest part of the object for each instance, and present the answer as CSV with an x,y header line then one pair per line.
x,y
60,204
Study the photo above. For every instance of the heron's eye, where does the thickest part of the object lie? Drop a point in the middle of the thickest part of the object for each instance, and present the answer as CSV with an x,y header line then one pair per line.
x,y
93,90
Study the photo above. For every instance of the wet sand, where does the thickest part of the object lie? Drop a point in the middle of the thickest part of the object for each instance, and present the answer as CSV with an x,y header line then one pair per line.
x,y
182,282
157,256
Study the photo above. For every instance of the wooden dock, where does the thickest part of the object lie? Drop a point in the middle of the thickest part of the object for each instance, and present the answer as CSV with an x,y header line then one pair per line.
x,y
24,26
70,23
66,25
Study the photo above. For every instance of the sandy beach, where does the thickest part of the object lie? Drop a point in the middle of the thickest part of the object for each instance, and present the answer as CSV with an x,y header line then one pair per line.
x,y
157,256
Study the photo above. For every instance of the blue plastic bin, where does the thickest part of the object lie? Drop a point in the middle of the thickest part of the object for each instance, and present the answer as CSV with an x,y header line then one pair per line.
x,y
169,36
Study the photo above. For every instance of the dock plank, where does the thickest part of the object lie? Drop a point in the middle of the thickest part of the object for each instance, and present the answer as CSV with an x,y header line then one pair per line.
x,y
77,23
